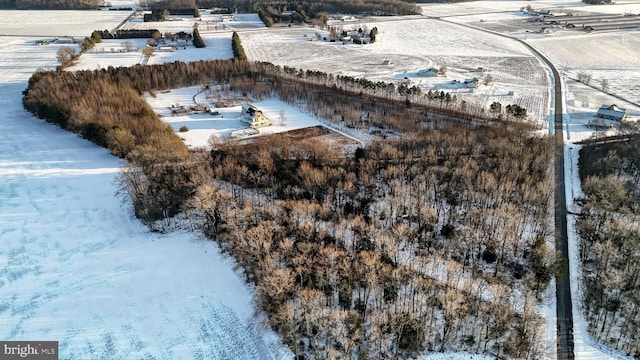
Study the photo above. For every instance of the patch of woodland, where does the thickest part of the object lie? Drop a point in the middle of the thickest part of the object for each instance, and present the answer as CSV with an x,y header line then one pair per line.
x,y
272,12
360,103
107,112
174,4
609,229
409,245
57,4
373,103
7,4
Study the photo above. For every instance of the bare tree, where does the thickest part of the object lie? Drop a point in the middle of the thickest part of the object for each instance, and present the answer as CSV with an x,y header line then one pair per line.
x,y
443,69
65,55
147,51
488,79
333,32
120,141
604,84
128,45
584,78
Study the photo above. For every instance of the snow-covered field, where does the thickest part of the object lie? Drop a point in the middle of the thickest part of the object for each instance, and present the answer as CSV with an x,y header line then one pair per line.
x,y
613,56
112,52
48,24
510,74
76,267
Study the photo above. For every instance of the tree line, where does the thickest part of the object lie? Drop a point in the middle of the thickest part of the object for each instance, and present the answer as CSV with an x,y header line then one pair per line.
x,y
442,103
53,4
609,229
236,47
312,10
7,4
188,5
270,11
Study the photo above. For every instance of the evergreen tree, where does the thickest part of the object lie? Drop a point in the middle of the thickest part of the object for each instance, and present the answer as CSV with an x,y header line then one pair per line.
x,y
197,39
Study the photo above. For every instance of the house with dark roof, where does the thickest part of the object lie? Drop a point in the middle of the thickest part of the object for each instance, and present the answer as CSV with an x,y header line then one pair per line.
x,y
254,117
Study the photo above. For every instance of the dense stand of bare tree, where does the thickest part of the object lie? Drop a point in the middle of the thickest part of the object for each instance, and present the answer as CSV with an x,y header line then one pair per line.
x,y
275,11
609,229
7,4
429,240
414,244
296,11
56,4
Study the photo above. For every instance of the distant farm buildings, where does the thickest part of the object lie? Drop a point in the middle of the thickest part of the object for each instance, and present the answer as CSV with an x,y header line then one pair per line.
x,y
471,82
611,112
66,40
172,42
428,72
590,22
58,40
254,117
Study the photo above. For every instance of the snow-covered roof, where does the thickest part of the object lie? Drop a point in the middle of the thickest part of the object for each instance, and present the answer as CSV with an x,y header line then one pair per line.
x,y
611,112
430,71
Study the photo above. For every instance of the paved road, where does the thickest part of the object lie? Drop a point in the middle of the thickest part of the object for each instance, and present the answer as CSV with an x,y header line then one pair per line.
x,y
564,308
563,285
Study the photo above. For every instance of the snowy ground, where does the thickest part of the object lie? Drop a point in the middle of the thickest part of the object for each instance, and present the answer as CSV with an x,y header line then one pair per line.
x,y
112,52
46,24
455,356
204,126
510,74
77,268
613,56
